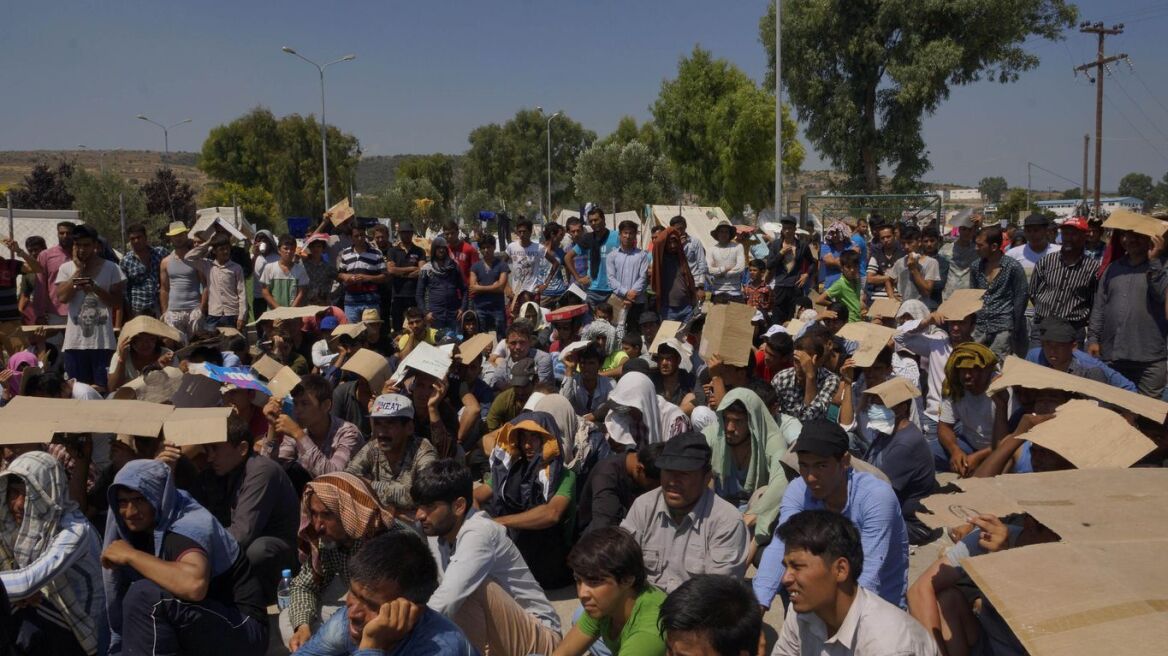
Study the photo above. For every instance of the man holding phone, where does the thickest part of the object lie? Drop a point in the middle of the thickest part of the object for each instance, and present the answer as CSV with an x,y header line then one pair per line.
x,y
91,287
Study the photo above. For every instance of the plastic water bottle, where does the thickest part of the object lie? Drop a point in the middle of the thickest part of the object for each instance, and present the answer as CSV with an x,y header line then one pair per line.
x,y
284,589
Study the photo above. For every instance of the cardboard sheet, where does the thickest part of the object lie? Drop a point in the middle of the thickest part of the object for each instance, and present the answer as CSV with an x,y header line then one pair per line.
x,y
371,366
353,330
151,326
475,346
284,313
872,339
34,420
728,334
282,384
1027,374
190,426
267,367
1091,437
883,308
340,212
1122,219
666,330
961,304
427,359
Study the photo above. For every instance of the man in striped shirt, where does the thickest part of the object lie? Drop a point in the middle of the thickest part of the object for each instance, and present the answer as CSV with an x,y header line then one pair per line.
x,y
361,270
1063,284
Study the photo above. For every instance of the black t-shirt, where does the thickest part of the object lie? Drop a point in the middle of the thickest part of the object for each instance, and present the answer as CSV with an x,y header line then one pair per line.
x,y
405,287
606,496
234,587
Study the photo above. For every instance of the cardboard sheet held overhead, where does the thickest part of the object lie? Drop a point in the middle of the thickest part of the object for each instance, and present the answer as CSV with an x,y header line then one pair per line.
x,y
883,308
285,313
29,419
961,304
475,346
729,334
1035,376
353,330
267,367
150,326
666,330
872,339
1091,437
340,212
190,426
371,366
282,384
1122,219
427,359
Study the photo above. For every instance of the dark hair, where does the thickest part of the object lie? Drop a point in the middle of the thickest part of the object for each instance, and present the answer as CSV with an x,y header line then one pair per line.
x,y
678,220
235,343
68,225
44,384
551,229
575,220
628,225
849,258
765,391
931,232
826,534
804,303
633,339
287,240
316,386
415,312
524,222
602,309
596,210
35,241
781,343
356,227
83,231
589,352
449,224
993,235
487,240
647,455
521,327
841,310
881,227
380,227
220,240
910,233
721,608
609,552
238,431
136,229
445,481
759,264
401,557
813,342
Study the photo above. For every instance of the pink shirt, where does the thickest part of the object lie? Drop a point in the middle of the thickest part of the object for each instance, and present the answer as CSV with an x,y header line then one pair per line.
x,y
45,294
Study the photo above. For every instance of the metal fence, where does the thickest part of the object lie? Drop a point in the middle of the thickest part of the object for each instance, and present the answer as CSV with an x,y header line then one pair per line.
x,y
916,209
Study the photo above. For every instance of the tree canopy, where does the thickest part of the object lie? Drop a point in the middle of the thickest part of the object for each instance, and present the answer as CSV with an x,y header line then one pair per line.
x,y
45,188
168,196
1138,185
993,188
623,176
868,72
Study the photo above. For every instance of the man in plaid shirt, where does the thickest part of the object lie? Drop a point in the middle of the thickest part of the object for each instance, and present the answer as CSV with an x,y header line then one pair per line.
x,y
807,390
141,267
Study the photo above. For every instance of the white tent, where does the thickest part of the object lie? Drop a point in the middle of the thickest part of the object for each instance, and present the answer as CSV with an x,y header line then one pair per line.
x,y
699,221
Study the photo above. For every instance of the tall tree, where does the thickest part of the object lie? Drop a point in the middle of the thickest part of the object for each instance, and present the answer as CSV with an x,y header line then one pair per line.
x,y
623,176
1138,185
439,169
718,130
865,73
100,197
45,188
1161,192
168,196
509,160
993,188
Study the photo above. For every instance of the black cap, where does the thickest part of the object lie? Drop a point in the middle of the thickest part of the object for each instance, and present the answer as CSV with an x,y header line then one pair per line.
x,y
639,365
686,452
789,220
1036,220
823,438
523,373
649,317
406,226
1053,329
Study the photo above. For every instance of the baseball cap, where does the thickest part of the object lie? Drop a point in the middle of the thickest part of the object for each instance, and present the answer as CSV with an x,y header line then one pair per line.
x,y
391,406
523,373
328,323
686,452
1077,222
1035,220
649,317
1053,329
823,438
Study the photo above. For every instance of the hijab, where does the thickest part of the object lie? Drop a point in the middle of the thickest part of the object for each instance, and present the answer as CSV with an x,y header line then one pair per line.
x,y
25,358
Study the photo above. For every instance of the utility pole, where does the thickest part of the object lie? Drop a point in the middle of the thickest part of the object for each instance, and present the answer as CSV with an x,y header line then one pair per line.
x,y
1086,149
780,209
1099,65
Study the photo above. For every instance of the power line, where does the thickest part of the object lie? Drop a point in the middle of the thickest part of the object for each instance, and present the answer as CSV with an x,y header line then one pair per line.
x,y
1139,107
1061,177
1133,127
1140,79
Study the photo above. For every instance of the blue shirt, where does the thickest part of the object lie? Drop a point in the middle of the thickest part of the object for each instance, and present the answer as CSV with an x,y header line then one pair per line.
x,y
861,245
873,508
1084,365
829,274
627,271
600,274
433,635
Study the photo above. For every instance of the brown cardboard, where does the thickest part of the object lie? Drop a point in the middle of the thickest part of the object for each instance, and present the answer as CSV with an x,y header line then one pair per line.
x,y
283,382
883,308
34,420
475,346
30,419
340,212
1028,374
190,426
371,366
894,391
872,338
48,329
961,304
285,313
1128,220
666,330
354,330
149,326
1091,437
728,334
267,367
427,359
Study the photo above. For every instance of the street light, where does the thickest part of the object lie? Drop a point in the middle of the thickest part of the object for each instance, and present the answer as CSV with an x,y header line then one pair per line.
x,y
549,165
165,134
323,125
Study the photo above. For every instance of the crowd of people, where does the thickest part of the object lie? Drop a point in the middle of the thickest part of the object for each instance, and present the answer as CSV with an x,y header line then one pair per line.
x,y
443,430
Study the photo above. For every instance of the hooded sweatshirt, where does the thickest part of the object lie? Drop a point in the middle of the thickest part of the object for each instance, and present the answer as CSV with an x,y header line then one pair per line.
x,y
768,443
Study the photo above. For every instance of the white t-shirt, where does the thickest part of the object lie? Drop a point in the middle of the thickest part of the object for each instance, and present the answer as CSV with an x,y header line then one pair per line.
x,y
523,265
930,270
972,418
89,325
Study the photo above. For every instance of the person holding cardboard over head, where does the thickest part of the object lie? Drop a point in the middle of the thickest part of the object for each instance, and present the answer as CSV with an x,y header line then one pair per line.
x,y
900,450
831,611
141,344
254,500
827,481
319,442
1057,349
394,454
91,289
362,374
806,390
175,578
486,587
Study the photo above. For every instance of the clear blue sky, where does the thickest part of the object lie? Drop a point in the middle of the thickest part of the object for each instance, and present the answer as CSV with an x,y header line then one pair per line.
x,y
427,72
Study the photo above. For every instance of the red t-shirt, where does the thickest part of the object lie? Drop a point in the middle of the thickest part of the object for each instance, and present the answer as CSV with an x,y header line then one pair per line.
x,y
465,257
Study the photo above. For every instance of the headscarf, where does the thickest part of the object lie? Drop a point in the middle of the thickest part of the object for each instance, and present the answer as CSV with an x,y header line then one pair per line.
x,y
701,417
47,509
660,255
917,310
660,419
837,231
353,500
26,358
541,321
564,414
602,328
520,484
965,356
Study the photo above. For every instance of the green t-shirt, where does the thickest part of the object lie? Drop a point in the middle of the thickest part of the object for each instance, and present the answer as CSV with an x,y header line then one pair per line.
x,y
848,293
640,635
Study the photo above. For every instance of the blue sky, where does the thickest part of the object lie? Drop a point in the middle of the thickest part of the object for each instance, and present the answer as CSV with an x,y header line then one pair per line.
x,y
428,72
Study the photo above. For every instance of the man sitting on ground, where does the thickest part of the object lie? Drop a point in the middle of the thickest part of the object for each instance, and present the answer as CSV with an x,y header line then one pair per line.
x,y
318,441
1059,352
394,454
712,615
614,483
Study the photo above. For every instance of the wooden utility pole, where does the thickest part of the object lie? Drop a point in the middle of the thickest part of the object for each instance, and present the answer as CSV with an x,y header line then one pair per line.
x,y
1100,62
1086,149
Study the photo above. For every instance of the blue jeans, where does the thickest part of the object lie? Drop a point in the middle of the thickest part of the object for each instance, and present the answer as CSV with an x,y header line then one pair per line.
x,y
353,310
941,456
153,622
596,297
90,366
221,322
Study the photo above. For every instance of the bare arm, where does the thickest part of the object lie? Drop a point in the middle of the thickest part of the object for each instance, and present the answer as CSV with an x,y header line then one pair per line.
x,y
164,284
540,517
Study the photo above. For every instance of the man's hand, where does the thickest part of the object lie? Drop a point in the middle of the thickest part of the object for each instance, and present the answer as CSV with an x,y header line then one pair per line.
x,y
392,624
302,635
288,426
801,281
436,395
806,364
1094,351
750,519
1030,421
429,318
994,533
584,282
848,371
169,454
959,463
118,553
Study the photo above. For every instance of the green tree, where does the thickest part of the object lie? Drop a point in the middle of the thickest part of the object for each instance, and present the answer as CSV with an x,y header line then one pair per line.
x,y
509,161
1138,185
993,188
1161,192
45,188
170,197
475,201
400,202
863,75
622,176
1013,203
718,130
1074,193
96,196
258,204
439,169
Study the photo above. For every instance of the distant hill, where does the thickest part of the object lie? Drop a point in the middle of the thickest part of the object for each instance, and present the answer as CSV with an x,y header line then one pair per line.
x,y
136,165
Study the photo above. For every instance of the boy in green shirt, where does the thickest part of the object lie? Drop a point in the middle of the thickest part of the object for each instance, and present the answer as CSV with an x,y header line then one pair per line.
x,y
620,607
846,288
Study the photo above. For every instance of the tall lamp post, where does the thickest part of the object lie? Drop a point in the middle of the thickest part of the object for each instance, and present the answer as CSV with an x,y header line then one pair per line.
x,y
165,134
323,126
549,166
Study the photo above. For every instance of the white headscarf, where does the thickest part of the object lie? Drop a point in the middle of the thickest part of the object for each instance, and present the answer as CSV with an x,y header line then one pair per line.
x,y
660,421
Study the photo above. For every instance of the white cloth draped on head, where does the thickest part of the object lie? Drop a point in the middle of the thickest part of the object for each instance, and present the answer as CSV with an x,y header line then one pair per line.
x,y
701,417
660,419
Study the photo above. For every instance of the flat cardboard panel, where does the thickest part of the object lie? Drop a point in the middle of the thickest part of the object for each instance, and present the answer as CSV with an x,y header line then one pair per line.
x,y
729,334
666,330
883,308
267,367
353,330
190,426
130,417
373,367
872,339
961,304
340,212
894,391
427,359
475,346
151,326
283,382
1027,374
1128,220
1091,437
284,313
31,420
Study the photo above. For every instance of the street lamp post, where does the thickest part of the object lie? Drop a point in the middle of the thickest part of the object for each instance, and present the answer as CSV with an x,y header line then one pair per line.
x,y
165,134
549,165
323,126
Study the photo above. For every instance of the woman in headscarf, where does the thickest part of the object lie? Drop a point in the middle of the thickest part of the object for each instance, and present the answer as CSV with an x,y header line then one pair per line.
x,y
339,512
637,415
50,551
16,365
441,288
670,275
533,494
